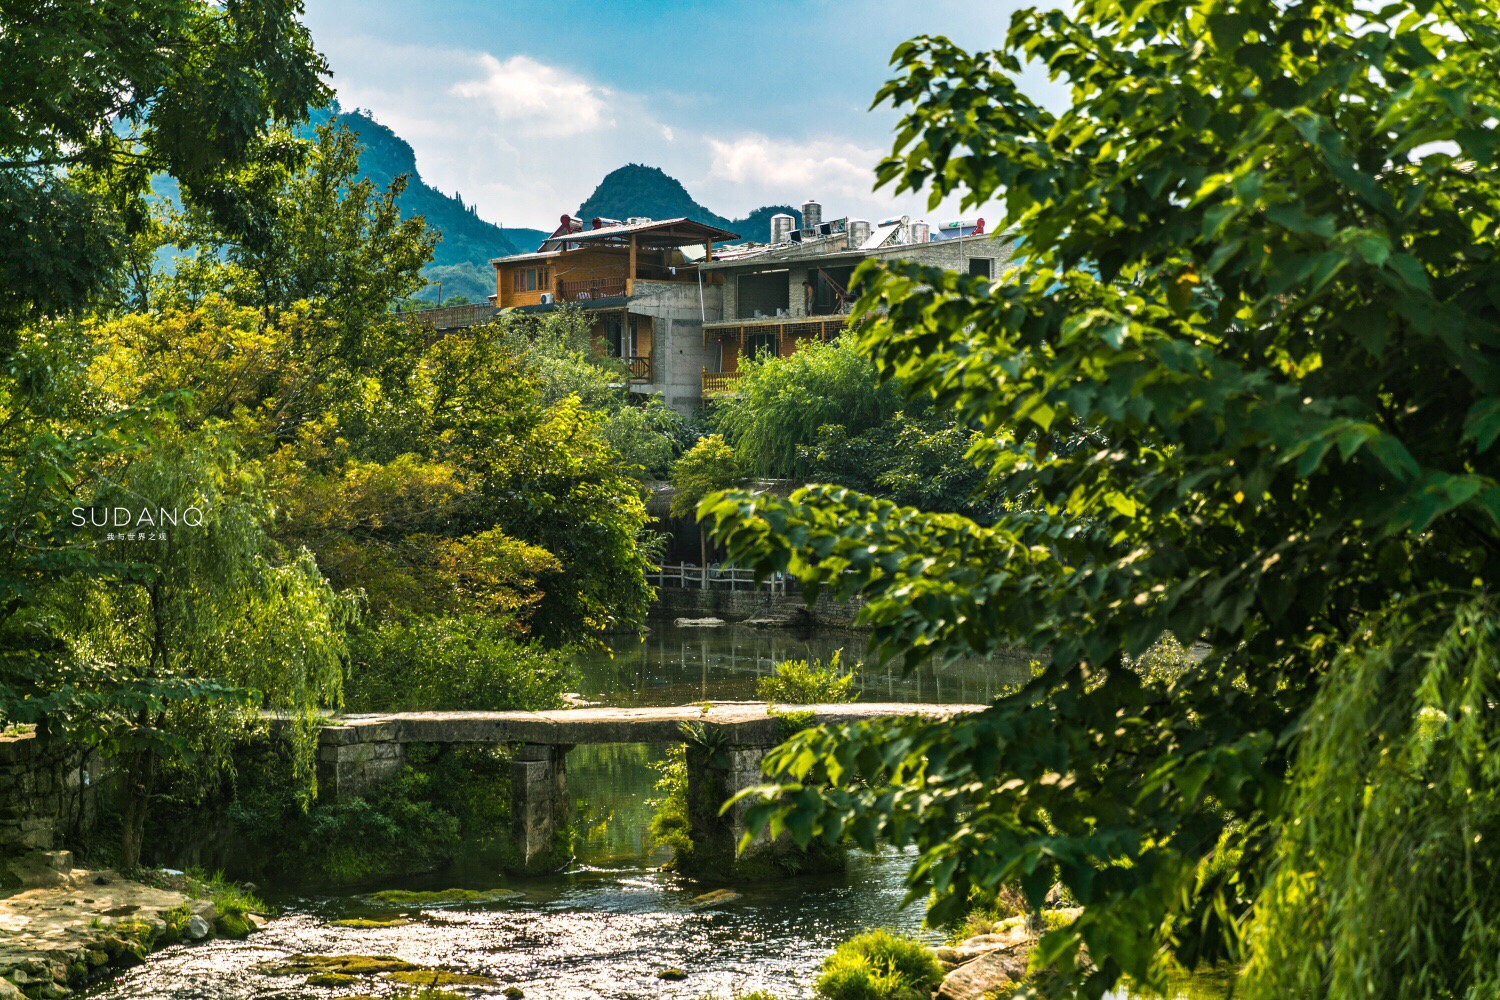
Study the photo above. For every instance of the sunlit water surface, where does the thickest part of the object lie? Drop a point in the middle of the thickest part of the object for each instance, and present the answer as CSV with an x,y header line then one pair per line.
x,y
609,925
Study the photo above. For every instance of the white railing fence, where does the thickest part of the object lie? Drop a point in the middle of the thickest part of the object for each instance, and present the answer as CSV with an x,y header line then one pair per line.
x,y
690,577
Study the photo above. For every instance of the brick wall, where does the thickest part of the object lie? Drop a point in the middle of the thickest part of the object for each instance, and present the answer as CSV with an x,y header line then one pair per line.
x,y
46,791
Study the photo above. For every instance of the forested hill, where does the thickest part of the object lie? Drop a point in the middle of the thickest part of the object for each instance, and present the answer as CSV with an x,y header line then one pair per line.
x,y
460,261
639,190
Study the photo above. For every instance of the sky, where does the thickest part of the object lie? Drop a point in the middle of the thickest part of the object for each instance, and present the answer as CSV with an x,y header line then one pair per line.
x,y
522,107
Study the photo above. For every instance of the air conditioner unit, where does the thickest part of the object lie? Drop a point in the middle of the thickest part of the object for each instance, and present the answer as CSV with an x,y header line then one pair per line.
x,y
547,298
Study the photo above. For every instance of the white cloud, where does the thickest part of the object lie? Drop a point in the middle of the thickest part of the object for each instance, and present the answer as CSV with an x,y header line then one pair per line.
x,y
666,133
821,168
540,99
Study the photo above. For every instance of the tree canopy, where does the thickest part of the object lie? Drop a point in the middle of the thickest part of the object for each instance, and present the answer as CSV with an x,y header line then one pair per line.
x,y
1258,270
98,97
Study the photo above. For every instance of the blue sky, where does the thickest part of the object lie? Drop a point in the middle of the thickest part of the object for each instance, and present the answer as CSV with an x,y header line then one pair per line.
x,y
523,106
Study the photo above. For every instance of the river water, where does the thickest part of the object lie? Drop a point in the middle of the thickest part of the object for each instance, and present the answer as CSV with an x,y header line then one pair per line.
x,y
605,928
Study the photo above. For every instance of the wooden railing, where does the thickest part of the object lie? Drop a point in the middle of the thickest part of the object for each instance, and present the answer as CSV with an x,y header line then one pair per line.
x,y
720,382
452,317
588,289
688,576
640,367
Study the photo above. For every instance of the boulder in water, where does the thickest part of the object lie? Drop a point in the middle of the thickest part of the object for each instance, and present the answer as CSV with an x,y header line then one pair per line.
x,y
698,622
716,898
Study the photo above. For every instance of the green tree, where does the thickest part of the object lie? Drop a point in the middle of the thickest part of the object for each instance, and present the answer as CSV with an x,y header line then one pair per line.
x,y
913,459
781,403
98,97
707,467
1258,270
317,232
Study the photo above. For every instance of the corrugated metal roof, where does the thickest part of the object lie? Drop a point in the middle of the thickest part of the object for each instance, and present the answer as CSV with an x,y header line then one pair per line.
x,y
827,246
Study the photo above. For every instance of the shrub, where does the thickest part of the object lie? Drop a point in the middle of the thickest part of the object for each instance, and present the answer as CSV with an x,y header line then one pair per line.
x,y
879,965
452,662
988,910
808,682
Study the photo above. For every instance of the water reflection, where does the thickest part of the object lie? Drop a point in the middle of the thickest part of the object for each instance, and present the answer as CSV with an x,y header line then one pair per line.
x,y
676,666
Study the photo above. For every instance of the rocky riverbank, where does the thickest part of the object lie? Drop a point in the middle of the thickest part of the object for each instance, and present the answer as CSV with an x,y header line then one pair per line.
x,y
991,964
62,928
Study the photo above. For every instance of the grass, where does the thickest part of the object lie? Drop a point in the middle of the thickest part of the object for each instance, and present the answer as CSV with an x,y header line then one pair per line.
x,y
879,965
229,897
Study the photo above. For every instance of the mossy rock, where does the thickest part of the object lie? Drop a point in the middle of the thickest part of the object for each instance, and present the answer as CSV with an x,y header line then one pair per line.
x,y
441,897
364,923
353,965
514,993
671,975
330,979
138,931
439,977
232,925
97,957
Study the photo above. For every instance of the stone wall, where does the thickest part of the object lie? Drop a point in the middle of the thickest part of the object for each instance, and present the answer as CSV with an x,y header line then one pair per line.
x,y
46,792
738,605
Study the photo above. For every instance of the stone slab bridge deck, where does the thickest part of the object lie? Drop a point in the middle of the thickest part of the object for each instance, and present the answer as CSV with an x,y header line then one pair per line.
x,y
358,752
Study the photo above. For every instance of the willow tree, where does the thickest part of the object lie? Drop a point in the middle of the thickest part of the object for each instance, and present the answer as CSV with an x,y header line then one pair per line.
x,y
198,624
1259,270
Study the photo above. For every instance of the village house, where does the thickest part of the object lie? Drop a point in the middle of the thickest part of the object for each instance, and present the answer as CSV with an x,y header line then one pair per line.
x,y
682,313
646,298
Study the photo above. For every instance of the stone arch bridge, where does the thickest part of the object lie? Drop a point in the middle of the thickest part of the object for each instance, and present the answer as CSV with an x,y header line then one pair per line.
x,y
358,752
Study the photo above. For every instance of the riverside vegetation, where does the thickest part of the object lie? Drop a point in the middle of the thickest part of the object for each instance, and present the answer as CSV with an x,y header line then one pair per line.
x,y
1238,388
373,498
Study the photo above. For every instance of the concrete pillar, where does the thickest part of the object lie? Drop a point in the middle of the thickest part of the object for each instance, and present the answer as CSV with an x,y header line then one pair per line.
x,y
714,777
539,805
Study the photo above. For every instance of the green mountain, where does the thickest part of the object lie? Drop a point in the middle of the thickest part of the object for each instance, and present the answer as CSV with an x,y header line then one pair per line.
x,y
461,260
640,190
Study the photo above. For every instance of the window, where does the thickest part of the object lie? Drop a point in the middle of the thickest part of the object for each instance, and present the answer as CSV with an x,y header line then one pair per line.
x,y
830,290
760,343
529,279
981,267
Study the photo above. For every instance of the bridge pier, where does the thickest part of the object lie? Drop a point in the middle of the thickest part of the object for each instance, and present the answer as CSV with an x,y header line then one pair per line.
x,y
351,763
539,805
716,775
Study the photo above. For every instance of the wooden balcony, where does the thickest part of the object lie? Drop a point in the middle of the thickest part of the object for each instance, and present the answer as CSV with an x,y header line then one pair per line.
x,y
590,289
640,367
720,383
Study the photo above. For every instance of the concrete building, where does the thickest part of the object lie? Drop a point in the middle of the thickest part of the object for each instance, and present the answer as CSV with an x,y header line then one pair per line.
x,y
647,298
779,296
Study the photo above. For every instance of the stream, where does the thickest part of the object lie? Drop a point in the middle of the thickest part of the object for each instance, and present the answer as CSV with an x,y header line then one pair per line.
x,y
608,925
